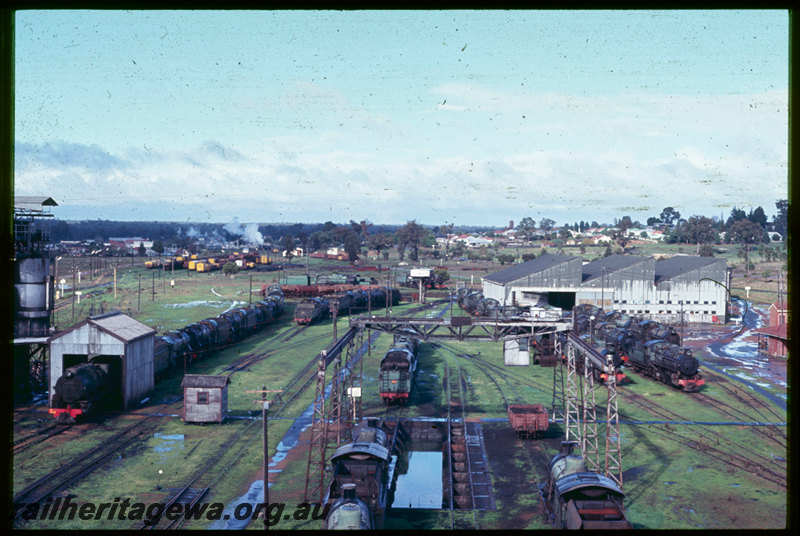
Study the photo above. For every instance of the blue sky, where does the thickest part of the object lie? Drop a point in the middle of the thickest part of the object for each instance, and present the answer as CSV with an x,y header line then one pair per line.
x,y
465,117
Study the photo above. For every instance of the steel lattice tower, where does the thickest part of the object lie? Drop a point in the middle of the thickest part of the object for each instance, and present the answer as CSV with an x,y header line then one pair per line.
x,y
571,420
591,452
613,447
315,470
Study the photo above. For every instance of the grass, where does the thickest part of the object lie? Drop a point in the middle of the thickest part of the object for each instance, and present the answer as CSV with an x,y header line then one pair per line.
x,y
670,486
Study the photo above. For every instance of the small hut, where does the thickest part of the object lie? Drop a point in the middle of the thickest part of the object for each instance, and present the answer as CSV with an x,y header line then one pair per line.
x,y
205,398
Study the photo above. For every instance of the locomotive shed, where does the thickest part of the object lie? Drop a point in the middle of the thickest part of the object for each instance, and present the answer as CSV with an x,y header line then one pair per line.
x,y
516,465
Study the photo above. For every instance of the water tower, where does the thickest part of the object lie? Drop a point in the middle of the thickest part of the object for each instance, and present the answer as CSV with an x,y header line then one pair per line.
x,y
33,291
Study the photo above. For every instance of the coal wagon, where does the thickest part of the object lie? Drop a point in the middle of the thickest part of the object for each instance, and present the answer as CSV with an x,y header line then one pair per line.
x,y
528,420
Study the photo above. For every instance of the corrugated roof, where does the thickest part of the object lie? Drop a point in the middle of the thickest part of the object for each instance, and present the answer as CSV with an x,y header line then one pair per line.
x,y
116,324
779,332
518,271
607,265
680,264
27,202
121,326
203,380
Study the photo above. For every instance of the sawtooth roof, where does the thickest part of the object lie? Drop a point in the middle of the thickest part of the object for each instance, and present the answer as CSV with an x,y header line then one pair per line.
x,y
680,264
607,265
518,271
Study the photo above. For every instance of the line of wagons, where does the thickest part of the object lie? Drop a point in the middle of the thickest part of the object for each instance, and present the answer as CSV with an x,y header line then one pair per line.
x,y
318,308
87,387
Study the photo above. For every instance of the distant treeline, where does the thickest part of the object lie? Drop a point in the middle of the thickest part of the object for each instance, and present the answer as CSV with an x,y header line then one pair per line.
x,y
176,232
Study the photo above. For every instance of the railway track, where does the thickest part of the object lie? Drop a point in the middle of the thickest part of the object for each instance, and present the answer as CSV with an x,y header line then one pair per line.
x,y
200,483
460,483
82,465
23,443
712,443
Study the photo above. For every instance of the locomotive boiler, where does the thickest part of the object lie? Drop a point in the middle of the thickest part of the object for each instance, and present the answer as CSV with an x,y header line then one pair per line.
x,y
579,499
361,469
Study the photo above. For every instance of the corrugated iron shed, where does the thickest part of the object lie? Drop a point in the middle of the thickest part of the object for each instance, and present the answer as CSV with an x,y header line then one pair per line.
x,y
667,269
607,265
518,271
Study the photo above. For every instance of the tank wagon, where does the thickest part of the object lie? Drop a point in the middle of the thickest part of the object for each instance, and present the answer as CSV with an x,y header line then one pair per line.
x,y
85,388
579,499
396,373
361,469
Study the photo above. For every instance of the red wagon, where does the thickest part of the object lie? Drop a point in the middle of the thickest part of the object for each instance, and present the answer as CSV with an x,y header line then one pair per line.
x,y
528,420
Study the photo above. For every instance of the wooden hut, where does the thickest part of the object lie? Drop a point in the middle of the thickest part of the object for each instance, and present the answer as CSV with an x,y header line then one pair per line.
x,y
205,398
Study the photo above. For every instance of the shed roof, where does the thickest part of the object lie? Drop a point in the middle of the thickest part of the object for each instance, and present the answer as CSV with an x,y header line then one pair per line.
x,y
779,332
681,264
116,324
30,202
607,265
518,271
203,380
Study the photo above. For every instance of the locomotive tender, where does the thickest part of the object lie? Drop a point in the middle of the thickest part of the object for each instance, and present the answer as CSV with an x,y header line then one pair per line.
x,y
579,499
360,473
87,387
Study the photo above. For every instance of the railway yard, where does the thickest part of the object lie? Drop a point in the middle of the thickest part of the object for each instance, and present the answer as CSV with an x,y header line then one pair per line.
x,y
712,459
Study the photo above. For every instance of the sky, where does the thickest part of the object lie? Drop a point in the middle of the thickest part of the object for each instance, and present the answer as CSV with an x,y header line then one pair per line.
x,y
462,117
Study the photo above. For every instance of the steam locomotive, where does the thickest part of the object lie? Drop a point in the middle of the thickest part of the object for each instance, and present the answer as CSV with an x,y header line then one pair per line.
x,y
397,369
359,487
87,387
315,309
579,499
648,347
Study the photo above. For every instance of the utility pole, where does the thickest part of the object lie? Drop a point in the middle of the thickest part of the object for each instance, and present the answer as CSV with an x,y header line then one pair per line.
x,y
139,296
264,419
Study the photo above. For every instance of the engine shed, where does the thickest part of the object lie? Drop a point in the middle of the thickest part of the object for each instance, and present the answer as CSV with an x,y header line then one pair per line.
x,y
205,398
114,339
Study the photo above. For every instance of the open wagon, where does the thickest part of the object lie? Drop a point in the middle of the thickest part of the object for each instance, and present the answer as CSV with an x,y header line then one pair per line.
x,y
528,420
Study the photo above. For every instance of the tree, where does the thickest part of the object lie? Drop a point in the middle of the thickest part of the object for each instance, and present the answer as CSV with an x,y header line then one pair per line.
x,y
410,236
230,268
669,215
380,242
780,221
758,216
142,250
158,247
698,230
652,221
546,225
287,245
352,245
527,225
747,233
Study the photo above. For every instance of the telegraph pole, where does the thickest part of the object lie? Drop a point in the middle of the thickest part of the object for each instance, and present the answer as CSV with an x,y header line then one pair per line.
x,y
264,417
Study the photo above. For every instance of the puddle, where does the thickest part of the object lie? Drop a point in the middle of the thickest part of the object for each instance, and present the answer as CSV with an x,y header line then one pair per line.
x,y
166,444
421,485
254,495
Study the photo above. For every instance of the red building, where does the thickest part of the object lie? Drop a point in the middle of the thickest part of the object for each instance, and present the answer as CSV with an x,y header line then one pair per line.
x,y
774,339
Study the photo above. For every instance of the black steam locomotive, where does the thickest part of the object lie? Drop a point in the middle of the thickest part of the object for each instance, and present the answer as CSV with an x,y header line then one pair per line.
x,y
648,347
316,309
87,387
359,489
